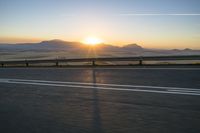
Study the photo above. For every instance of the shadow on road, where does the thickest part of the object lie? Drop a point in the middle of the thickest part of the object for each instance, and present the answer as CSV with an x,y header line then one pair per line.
x,y
97,124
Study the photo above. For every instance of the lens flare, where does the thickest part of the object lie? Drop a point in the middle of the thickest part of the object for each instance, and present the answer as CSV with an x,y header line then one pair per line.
x,y
92,41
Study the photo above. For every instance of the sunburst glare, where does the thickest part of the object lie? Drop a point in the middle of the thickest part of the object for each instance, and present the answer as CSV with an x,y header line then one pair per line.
x,y
92,41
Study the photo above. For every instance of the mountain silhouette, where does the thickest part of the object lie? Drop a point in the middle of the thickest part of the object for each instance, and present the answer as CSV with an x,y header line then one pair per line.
x,y
78,48
133,47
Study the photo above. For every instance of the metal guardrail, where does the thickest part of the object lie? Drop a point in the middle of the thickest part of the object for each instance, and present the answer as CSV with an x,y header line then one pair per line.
x,y
140,59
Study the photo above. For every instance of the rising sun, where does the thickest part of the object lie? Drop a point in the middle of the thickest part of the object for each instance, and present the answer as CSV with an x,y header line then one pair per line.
x,y
92,41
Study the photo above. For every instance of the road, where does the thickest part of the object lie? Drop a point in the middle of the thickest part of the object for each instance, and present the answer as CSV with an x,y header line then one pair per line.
x,y
100,100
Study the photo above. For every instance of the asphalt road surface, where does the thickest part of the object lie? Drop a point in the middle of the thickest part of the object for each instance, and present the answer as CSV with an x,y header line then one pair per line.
x,y
99,100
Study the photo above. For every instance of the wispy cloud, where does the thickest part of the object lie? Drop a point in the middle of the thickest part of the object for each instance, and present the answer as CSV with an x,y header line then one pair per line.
x,y
160,14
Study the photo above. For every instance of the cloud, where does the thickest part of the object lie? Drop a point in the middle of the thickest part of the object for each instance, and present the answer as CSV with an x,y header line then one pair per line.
x,y
160,14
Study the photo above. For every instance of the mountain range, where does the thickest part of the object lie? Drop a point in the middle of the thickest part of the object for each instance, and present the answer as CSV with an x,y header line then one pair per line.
x,y
62,45
59,48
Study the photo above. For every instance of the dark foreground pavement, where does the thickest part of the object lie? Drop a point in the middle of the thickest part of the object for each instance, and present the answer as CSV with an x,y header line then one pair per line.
x,y
28,108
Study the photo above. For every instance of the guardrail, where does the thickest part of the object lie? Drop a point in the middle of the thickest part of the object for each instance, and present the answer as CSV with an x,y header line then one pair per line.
x,y
93,61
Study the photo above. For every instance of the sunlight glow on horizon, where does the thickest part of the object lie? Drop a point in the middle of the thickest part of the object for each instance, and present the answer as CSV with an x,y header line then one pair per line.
x,y
92,41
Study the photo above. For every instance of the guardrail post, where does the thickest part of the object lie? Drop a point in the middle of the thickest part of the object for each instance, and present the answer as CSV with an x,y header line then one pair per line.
x,y
27,64
57,63
93,63
2,65
140,61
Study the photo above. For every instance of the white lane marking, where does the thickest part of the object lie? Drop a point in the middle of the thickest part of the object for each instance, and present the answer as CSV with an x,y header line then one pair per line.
x,y
185,91
101,84
103,88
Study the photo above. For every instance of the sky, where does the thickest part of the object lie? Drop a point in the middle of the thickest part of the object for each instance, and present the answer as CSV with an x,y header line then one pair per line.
x,y
149,23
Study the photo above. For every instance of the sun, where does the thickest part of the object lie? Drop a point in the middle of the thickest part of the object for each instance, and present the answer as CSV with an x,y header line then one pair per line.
x,y
92,41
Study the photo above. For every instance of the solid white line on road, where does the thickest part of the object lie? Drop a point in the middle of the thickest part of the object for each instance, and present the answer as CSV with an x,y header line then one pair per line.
x,y
101,84
190,91
180,92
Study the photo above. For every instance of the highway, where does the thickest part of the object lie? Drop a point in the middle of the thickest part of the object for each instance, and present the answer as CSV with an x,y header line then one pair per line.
x,y
100,100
